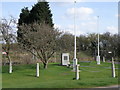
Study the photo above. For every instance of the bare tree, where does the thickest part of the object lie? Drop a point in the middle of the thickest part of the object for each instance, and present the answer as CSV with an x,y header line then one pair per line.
x,y
66,42
41,38
8,37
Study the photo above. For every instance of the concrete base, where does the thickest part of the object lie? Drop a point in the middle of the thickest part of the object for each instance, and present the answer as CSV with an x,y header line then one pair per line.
x,y
98,60
74,64
77,72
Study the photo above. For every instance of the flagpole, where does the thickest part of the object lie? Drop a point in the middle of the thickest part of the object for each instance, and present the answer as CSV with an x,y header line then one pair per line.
x,y
75,59
98,57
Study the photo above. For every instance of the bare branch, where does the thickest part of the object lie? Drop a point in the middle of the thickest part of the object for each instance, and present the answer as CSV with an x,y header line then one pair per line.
x,y
40,37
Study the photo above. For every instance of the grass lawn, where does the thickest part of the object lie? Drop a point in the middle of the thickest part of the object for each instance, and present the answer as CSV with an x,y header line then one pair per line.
x,y
57,76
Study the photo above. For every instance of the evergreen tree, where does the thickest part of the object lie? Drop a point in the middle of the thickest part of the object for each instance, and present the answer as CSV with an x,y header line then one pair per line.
x,y
24,19
41,13
24,16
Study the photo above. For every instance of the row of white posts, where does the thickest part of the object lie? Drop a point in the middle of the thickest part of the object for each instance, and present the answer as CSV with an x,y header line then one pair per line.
x,y
37,69
98,60
76,69
112,66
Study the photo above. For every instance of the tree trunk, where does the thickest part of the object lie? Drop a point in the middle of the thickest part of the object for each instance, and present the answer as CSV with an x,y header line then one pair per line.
x,y
10,64
10,67
45,65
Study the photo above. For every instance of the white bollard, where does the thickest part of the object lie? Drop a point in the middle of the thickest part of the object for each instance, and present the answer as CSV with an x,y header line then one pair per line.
x,y
98,60
113,68
37,70
103,59
10,67
77,72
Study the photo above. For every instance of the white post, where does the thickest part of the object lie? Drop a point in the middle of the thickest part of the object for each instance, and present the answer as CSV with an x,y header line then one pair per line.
x,y
75,59
77,72
10,67
103,59
113,68
98,57
37,70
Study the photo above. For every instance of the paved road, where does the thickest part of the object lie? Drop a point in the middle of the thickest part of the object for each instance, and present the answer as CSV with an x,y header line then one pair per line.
x,y
112,86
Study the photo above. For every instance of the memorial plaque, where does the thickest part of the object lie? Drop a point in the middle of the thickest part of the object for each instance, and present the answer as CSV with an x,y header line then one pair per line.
x,y
65,59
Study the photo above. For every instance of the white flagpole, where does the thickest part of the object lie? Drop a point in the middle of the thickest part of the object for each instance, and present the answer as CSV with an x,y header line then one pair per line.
x,y
98,57
75,59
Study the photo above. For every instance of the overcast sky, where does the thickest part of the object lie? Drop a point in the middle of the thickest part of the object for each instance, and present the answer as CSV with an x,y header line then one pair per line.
x,y
85,15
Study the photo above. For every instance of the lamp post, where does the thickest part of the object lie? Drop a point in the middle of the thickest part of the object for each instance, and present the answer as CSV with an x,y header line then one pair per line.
x,y
98,56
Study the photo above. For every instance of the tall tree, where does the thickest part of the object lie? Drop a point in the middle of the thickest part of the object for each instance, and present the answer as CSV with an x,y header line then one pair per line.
x,y
41,13
6,29
24,18
40,37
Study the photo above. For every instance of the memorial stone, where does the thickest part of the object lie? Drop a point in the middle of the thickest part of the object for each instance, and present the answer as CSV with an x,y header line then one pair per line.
x,y
65,59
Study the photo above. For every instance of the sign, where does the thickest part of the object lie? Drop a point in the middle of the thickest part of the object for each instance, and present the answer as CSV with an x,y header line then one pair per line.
x,y
65,59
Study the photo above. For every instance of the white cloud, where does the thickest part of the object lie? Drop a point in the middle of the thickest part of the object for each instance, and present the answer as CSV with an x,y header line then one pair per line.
x,y
70,29
89,27
82,28
77,30
85,28
82,13
112,29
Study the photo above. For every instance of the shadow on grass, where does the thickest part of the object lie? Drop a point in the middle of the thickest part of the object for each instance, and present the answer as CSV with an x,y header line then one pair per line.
x,y
31,75
56,64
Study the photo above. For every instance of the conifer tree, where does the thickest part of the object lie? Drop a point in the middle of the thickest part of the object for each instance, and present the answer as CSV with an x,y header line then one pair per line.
x,y
39,13
24,16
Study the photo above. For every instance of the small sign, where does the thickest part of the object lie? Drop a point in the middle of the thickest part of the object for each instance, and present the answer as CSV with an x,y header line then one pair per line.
x,y
65,59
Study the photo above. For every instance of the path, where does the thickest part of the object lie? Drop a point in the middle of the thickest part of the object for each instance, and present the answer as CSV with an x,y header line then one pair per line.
x,y
112,86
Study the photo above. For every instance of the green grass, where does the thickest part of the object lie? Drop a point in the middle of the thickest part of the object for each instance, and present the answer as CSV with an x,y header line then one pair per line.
x,y
57,76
